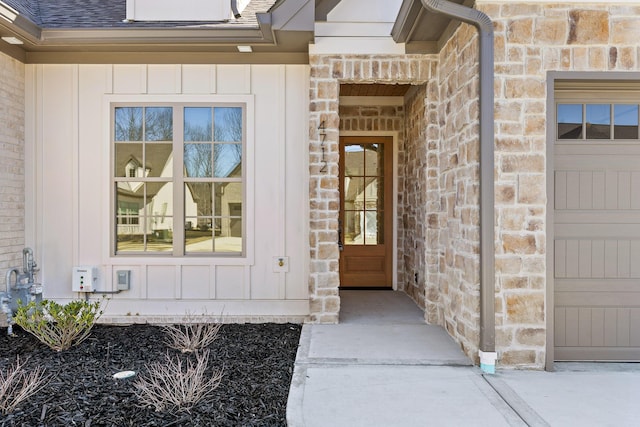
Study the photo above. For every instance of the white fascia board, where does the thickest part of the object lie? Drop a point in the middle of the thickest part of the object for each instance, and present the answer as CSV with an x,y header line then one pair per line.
x,y
356,46
353,29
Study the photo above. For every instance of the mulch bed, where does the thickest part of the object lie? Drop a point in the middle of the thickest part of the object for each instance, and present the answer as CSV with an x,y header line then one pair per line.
x,y
257,360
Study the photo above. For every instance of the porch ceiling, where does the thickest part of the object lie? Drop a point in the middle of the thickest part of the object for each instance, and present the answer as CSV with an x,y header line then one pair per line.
x,y
423,31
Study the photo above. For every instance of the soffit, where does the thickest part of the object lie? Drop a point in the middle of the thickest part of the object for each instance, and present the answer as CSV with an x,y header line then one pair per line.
x,y
420,29
373,89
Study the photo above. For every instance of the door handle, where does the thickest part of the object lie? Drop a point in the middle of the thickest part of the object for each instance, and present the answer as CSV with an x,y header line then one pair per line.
x,y
340,244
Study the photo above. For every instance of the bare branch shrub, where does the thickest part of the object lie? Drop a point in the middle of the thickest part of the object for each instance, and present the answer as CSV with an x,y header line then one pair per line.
x,y
174,384
17,385
191,336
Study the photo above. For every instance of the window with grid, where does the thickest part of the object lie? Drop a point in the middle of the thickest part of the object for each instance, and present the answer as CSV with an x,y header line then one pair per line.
x,y
178,178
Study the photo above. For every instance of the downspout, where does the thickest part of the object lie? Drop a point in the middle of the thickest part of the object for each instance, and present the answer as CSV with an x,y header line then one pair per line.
x,y
487,232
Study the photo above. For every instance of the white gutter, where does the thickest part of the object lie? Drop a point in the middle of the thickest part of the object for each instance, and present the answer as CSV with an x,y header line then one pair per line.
x,y
484,25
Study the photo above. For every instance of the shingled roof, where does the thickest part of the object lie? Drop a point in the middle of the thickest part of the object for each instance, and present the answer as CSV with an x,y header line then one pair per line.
x,y
46,31
112,13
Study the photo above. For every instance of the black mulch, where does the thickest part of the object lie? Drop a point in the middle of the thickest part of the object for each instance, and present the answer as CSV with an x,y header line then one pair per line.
x,y
257,361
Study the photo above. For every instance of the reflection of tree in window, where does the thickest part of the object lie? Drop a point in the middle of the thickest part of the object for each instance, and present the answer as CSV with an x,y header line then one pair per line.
x,y
128,126
197,160
158,124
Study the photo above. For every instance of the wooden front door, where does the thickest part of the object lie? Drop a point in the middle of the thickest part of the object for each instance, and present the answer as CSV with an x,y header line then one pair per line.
x,y
366,214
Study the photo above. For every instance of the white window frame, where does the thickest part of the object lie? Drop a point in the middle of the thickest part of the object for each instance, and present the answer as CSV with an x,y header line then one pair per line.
x,y
248,217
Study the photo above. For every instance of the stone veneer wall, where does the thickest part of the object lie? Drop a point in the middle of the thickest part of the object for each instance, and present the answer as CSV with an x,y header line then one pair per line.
x,y
327,72
12,110
453,285
387,118
531,39
414,195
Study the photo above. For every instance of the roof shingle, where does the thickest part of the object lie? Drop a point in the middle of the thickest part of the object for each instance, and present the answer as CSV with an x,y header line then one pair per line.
x,y
112,13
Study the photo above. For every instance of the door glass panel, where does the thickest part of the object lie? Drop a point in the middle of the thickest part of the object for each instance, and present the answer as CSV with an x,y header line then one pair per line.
x,y
598,124
625,121
353,222
353,193
353,160
371,228
374,159
569,121
363,194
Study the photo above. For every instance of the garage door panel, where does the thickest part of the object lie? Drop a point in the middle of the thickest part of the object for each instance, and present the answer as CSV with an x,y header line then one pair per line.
x,y
596,327
597,285
594,218
560,320
612,354
611,188
596,299
614,163
573,190
635,195
585,326
624,329
602,231
560,189
634,327
597,189
597,258
560,258
591,150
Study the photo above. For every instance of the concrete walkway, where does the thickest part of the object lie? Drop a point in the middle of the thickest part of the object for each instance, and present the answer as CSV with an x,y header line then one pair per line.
x,y
383,366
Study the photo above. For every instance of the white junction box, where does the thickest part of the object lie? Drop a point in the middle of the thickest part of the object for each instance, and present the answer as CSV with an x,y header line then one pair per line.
x,y
83,278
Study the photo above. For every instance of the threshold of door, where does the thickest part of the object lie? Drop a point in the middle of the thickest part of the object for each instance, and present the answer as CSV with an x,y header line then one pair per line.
x,y
365,288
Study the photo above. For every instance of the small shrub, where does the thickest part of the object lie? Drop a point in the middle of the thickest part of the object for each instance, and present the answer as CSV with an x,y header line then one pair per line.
x,y
174,384
59,326
191,336
17,385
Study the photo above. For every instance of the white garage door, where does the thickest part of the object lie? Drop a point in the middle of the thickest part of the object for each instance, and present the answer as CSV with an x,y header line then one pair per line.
x,y
597,224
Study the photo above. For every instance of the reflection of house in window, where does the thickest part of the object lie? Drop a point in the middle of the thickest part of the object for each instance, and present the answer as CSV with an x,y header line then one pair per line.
x,y
128,213
134,169
363,194
144,207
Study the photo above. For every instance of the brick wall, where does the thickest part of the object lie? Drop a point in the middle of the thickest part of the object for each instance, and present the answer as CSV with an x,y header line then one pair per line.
x,y
414,195
11,164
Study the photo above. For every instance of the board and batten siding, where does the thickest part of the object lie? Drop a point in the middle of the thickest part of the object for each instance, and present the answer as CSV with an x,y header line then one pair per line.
x,y
69,220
